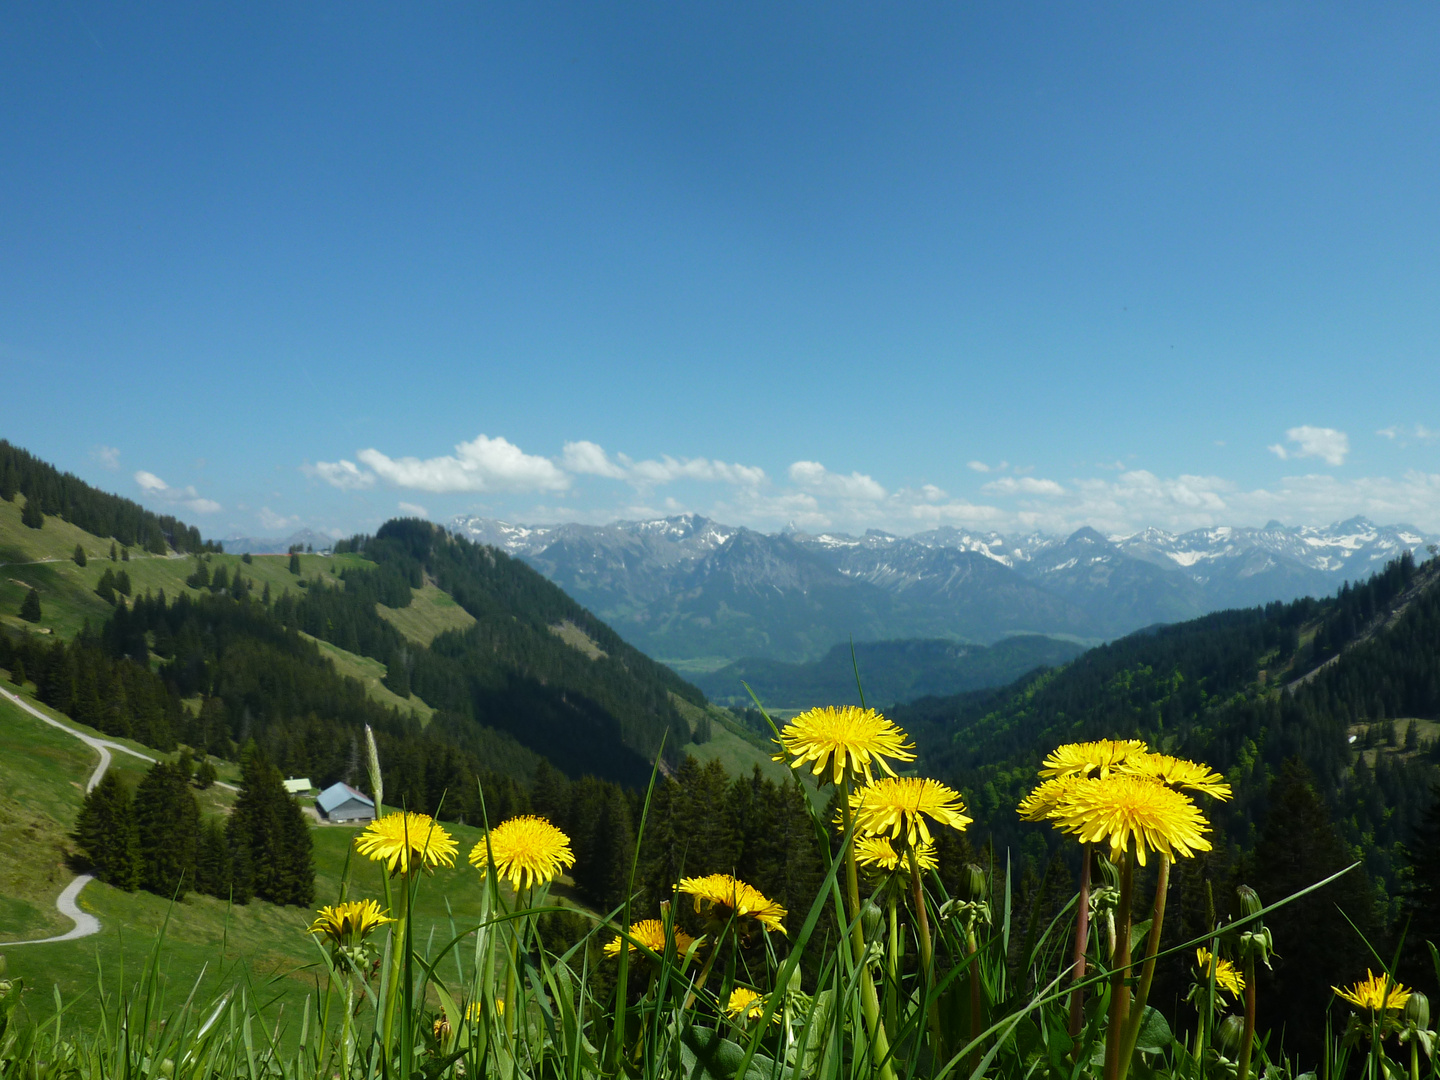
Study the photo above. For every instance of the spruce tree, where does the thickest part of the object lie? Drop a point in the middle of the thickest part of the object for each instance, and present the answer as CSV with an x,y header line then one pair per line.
x,y
17,672
106,834
167,818
112,551
9,481
220,580
397,675
105,588
1422,899
30,516
79,555
214,865
125,553
1300,845
122,583
269,837
30,607
295,564
205,775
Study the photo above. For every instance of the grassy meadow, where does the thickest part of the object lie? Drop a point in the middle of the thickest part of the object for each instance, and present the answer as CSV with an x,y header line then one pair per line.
x,y
43,773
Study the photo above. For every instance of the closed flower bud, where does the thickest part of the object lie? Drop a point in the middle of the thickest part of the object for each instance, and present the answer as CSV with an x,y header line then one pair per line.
x,y
1229,1036
1250,904
870,916
973,886
1417,1010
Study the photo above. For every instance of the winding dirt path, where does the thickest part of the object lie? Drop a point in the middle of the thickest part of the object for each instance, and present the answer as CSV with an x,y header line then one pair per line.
x,y
85,923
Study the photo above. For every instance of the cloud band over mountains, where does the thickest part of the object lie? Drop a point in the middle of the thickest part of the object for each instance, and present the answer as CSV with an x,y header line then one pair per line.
x,y
813,497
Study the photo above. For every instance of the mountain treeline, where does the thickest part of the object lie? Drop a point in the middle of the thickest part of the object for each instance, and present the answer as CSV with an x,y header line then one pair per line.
x,y
65,495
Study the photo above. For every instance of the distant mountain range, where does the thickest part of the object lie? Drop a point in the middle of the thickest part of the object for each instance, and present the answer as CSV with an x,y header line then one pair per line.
x,y
275,545
688,588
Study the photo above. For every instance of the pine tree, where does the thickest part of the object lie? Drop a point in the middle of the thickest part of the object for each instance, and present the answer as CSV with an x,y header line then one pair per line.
x,y
167,818
295,564
17,672
9,481
205,775
1299,846
122,583
112,551
1422,900
125,553
220,580
30,607
106,834
214,864
397,675
79,555
105,588
30,516
269,837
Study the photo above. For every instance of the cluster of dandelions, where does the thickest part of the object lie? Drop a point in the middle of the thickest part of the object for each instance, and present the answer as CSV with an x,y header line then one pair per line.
x,y
1119,797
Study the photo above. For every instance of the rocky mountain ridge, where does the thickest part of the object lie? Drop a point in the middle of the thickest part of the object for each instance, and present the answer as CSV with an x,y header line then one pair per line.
x,y
688,587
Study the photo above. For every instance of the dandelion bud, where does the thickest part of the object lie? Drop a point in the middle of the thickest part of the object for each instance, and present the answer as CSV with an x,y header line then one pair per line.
x,y
1250,904
1417,1011
870,916
973,886
1108,871
1229,1036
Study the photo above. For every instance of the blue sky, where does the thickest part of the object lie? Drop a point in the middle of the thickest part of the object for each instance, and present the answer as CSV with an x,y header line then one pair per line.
x,y
1001,266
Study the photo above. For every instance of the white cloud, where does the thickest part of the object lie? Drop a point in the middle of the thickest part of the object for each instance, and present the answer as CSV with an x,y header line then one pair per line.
x,y
107,456
1329,445
813,476
187,496
275,522
483,464
1024,485
345,475
414,510
977,466
1405,434
590,459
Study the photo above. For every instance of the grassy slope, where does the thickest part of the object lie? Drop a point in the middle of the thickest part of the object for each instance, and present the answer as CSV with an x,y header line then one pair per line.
x,y
431,612
44,771
67,591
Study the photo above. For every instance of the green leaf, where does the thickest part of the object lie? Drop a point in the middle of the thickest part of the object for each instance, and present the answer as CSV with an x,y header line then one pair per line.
x,y
1155,1035
707,1055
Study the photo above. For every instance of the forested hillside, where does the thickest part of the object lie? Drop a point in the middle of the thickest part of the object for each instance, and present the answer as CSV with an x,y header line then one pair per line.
x,y
49,491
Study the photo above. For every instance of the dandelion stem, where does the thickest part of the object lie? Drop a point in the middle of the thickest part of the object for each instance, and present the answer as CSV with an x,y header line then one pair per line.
x,y
869,1000
1082,940
1147,973
1248,1038
1120,971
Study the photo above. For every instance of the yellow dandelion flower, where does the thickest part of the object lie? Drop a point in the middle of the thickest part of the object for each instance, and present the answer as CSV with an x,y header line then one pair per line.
x,y
348,923
1373,994
528,851
651,934
405,838
1177,773
1122,810
879,852
746,901
1090,758
1227,976
899,805
746,1004
843,737
476,1009
1040,804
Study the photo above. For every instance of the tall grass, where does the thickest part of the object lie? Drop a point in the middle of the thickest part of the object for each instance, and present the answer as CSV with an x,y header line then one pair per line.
x,y
503,996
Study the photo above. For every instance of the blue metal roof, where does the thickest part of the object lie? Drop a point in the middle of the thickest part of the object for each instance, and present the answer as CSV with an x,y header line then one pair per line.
x,y
339,794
